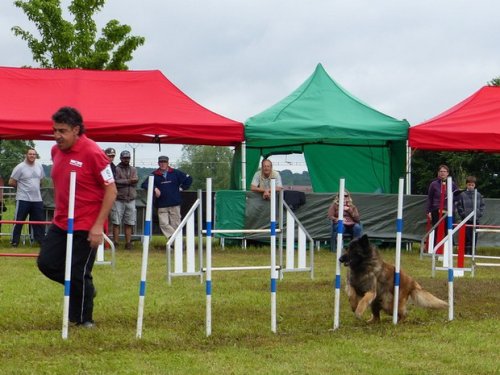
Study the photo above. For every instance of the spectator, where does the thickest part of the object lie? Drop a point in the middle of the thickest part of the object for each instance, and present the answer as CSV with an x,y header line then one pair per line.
x,y
27,177
437,195
261,181
111,153
124,210
351,219
465,205
168,184
95,194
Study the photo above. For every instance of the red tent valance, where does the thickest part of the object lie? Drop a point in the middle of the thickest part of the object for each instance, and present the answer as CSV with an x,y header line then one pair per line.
x,y
471,125
117,106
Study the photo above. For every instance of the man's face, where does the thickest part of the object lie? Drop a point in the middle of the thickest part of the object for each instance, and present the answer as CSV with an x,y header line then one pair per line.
x,y
471,186
65,135
163,164
267,167
31,156
125,160
443,173
111,158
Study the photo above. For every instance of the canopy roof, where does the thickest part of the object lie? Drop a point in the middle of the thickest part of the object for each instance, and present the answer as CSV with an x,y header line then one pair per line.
x,y
117,106
471,125
320,111
339,135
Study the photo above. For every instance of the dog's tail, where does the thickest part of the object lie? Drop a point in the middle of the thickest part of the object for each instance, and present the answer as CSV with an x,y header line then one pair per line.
x,y
423,298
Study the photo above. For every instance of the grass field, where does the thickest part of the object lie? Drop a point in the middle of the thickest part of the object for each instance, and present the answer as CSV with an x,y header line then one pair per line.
x,y
174,341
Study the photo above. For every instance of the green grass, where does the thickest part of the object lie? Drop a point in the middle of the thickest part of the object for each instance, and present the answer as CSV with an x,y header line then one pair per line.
x,y
174,341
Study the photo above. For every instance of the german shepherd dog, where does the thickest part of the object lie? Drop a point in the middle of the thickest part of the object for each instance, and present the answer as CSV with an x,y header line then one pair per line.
x,y
370,282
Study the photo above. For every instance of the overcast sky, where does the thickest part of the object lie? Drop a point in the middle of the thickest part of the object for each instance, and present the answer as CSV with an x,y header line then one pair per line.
x,y
407,59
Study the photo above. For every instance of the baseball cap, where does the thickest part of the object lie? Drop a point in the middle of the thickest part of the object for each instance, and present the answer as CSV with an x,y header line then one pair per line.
x,y
110,151
125,154
163,158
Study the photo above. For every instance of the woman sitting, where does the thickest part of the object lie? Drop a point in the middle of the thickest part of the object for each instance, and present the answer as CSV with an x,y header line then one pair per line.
x,y
351,221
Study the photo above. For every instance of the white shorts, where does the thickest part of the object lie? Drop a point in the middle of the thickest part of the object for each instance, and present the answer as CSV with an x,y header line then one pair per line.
x,y
123,212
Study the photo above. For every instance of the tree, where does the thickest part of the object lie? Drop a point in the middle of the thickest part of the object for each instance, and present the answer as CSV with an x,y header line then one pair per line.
x,y
207,161
494,82
66,44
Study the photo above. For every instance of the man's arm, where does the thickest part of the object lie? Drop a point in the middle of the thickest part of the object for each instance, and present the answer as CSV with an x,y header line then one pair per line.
x,y
256,189
12,182
96,232
134,178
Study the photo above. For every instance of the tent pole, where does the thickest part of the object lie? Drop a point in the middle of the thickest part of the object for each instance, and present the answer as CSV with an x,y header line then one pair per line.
x,y
408,169
243,166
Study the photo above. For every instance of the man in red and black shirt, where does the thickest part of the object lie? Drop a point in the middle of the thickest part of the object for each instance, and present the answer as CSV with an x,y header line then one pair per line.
x,y
94,196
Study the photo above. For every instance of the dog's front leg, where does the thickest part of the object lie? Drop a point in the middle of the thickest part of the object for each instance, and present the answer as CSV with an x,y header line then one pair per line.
x,y
353,297
364,303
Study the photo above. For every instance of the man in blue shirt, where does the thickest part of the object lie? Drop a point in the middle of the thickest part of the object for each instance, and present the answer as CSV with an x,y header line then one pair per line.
x,y
168,184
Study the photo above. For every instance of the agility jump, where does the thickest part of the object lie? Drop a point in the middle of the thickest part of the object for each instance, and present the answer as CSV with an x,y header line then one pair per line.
x,y
208,270
185,259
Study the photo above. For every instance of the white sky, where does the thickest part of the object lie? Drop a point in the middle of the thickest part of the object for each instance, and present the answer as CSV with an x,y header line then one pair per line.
x,y
407,59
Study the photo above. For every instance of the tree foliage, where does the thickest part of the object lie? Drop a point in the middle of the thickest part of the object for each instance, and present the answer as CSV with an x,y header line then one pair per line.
x,y
295,179
494,82
202,162
75,44
69,44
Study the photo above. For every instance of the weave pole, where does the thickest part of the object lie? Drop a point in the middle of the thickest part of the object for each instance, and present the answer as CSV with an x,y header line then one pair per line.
x,y
208,276
340,242
274,273
397,265
69,253
145,254
450,249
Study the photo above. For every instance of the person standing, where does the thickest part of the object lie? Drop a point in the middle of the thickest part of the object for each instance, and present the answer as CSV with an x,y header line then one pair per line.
x,y
124,210
95,194
111,153
437,195
261,181
465,205
168,184
26,178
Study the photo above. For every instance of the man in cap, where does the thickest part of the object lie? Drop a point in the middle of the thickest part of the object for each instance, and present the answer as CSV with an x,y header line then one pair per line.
x,y
111,153
124,208
168,184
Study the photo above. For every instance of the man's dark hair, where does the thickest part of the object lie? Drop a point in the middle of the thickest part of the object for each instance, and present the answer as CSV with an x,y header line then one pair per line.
x,y
70,116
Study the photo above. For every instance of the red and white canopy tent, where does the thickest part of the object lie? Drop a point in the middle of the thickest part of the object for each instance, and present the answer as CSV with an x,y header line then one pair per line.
x,y
117,106
471,125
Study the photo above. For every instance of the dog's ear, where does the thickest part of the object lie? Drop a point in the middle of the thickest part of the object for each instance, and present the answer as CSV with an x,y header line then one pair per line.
x,y
364,241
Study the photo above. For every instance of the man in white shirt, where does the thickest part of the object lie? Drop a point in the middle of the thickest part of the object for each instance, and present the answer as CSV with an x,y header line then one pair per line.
x,y
27,177
261,181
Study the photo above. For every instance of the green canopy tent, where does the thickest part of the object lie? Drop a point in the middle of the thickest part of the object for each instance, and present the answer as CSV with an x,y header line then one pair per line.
x,y
339,135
